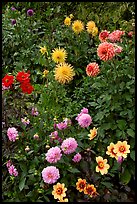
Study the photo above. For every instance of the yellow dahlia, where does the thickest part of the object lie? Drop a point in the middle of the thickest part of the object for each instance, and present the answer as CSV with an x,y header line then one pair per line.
x,y
64,73
59,55
102,165
45,72
93,133
90,25
110,151
43,50
71,16
121,149
77,26
63,200
67,21
81,184
59,191
89,190
94,31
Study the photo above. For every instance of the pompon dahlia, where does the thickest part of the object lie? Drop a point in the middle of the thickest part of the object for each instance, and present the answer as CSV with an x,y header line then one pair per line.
x,y
69,145
90,25
50,174
53,155
59,55
106,51
77,26
92,69
84,120
64,73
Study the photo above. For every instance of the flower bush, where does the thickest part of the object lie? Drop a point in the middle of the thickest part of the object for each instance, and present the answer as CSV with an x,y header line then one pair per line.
x,y
68,119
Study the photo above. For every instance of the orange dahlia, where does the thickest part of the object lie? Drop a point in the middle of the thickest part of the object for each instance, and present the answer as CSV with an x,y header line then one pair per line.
x,y
90,190
102,165
122,149
110,151
81,184
92,69
93,133
59,191
106,51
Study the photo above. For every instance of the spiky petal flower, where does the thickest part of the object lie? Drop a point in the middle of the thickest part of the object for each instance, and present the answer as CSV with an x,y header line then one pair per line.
x,y
59,55
67,21
59,191
94,31
92,69
12,134
50,174
81,184
43,50
102,166
77,26
64,73
122,149
90,26
106,51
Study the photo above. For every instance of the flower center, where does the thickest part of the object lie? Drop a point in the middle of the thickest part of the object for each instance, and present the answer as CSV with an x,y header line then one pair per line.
x,y
101,165
122,149
81,185
59,191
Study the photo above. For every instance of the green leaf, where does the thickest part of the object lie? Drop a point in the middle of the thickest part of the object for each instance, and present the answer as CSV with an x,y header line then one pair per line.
x,y
125,177
22,183
132,155
107,184
74,170
121,124
130,132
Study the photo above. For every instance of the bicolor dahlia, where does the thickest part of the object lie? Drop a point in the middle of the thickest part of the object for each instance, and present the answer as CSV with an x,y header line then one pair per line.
x,y
90,25
102,166
59,55
77,26
106,51
93,133
59,191
64,73
122,149
50,174
92,69
77,157
103,36
116,36
81,184
89,190
84,120
53,155
69,145
67,21
110,151
8,80
12,134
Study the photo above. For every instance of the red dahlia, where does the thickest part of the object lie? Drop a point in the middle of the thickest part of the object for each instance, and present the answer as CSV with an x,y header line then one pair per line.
x,y
26,88
23,77
8,80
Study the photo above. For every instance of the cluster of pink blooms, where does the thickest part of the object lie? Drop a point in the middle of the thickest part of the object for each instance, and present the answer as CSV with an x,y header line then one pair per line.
x,y
77,157
69,145
50,174
11,168
53,155
115,36
54,136
25,121
12,134
34,111
83,118
63,125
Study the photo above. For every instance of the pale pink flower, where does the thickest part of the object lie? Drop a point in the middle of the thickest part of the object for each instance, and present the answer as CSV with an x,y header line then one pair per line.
x,y
13,171
67,121
118,49
84,120
34,111
77,157
12,134
25,121
53,155
50,174
8,163
116,35
83,110
62,126
69,145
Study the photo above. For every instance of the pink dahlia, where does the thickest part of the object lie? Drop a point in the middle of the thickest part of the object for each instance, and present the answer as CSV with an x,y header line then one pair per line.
x,y
92,69
106,51
12,134
34,111
50,174
84,120
61,126
83,110
8,163
25,121
116,35
12,170
53,155
69,145
103,36
77,157
118,49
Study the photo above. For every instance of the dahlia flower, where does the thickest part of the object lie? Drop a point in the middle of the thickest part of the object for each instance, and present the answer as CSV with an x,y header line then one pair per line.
x,y
94,31
90,25
122,149
64,73
30,12
84,110
62,125
53,155
77,157
67,21
92,69
116,36
102,165
34,111
59,191
43,50
13,21
89,190
7,81
77,26
103,36
81,184
12,134
84,120
25,121
59,55
93,133
106,51
12,170
69,145
118,49
50,174
110,151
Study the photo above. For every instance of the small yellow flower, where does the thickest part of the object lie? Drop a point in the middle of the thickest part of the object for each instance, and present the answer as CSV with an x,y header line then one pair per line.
x,y
81,184
102,165
71,16
94,31
90,25
67,21
63,200
64,73
89,190
93,133
121,149
43,50
59,55
59,191
45,72
77,26
110,151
